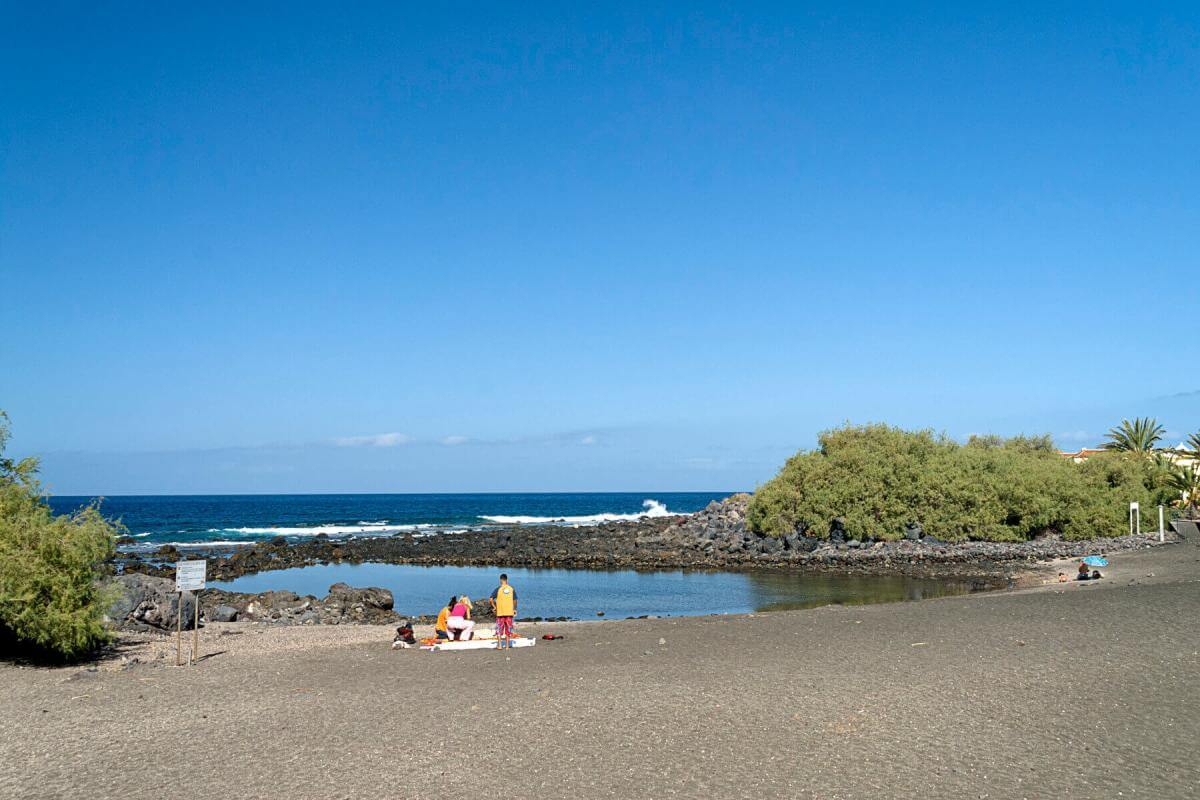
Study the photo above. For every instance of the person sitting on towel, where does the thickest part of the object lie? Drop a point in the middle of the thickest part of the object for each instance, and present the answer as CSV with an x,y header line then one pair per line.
x,y
459,623
1083,573
439,629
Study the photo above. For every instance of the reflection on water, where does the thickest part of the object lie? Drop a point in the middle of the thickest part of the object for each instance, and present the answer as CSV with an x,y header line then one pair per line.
x,y
776,591
580,594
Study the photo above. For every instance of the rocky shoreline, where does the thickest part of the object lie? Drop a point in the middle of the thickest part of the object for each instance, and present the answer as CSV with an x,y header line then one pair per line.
x,y
150,603
715,538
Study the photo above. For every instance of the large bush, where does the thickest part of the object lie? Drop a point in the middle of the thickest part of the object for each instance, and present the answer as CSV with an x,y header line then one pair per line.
x,y
50,598
878,480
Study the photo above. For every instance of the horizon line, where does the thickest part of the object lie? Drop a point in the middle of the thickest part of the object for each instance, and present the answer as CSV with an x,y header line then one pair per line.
x,y
357,494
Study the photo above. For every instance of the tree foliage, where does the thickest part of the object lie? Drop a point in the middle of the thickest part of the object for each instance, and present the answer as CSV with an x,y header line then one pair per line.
x,y
1193,445
877,480
50,598
1138,437
1186,481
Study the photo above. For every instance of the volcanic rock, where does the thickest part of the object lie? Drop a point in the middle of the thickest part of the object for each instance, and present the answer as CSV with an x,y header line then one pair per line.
x,y
146,602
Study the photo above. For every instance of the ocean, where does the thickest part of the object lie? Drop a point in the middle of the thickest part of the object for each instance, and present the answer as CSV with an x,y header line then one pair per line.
x,y
204,520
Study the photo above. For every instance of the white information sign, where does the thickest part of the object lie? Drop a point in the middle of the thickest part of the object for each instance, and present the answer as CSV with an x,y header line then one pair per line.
x,y
1135,519
189,575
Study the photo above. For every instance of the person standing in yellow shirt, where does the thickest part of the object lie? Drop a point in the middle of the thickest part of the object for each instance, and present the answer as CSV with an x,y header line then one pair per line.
x,y
504,601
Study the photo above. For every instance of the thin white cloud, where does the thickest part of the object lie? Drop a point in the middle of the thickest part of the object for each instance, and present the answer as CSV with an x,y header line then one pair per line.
x,y
701,462
588,440
375,440
451,441
1178,395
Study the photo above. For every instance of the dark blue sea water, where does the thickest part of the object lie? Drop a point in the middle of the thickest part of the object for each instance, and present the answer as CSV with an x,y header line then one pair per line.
x,y
201,520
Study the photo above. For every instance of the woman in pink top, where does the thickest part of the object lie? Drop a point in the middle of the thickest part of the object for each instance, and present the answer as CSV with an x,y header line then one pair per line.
x,y
459,623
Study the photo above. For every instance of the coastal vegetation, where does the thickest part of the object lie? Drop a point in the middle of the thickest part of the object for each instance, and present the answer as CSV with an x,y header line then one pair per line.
x,y
1186,481
1183,472
877,482
51,599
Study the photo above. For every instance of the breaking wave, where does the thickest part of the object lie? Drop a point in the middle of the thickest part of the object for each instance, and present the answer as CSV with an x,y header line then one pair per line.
x,y
653,508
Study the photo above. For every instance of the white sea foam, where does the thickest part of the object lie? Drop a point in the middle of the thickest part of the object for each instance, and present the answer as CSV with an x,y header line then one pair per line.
x,y
329,530
653,509
368,528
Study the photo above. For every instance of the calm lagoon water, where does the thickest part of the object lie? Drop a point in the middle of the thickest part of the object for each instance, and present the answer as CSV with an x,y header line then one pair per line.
x,y
579,594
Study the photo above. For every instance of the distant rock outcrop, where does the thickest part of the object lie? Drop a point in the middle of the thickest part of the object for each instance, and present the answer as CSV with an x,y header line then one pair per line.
x,y
720,530
720,523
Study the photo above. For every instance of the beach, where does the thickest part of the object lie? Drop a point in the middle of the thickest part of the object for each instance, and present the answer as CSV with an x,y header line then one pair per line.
x,y
773,371
1079,690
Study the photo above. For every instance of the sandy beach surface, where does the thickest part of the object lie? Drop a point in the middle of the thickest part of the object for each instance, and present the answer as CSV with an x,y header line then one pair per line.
x,y
1053,691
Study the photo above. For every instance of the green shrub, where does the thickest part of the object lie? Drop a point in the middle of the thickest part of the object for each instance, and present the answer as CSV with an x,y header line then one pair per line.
x,y
879,479
50,598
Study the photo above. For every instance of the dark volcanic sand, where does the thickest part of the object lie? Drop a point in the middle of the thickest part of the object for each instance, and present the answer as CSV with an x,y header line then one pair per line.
x,y
1075,691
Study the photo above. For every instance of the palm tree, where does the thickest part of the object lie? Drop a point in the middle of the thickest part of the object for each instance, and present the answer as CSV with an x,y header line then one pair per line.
x,y
1193,445
1137,437
1186,480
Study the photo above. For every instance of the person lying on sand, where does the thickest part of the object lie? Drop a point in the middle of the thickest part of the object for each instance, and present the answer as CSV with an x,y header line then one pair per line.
x,y
439,629
459,623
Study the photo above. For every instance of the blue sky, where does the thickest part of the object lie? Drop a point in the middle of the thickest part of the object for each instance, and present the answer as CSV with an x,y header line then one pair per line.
x,y
463,247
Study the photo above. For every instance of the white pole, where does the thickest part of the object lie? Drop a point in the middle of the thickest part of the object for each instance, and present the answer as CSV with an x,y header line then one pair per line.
x,y
179,632
195,627
1162,533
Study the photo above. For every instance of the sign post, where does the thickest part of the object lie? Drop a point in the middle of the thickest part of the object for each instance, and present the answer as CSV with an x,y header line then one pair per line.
x,y
189,577
1135,519
196,628
1162,531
